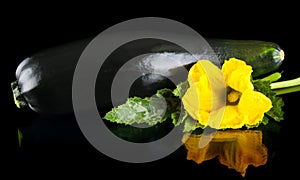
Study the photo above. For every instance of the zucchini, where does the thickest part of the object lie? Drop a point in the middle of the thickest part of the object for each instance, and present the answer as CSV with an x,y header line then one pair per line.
x,y
44,80
265,57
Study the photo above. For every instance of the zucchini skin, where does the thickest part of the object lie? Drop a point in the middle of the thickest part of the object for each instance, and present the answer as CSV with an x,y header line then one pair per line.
x,y
44,80
265,57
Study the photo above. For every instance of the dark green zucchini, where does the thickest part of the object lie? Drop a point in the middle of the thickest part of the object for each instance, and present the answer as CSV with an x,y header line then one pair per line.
x,y
263,56
44,80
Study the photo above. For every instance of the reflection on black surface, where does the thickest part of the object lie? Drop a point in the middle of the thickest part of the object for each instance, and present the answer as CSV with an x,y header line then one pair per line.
x,y
236,149
58,140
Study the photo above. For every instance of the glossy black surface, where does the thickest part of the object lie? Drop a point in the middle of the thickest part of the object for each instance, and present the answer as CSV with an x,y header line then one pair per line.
x,y
54,146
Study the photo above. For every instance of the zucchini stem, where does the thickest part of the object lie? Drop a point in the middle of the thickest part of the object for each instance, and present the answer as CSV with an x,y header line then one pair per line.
x,y
287,90
285,84
281,55
18,98
273,77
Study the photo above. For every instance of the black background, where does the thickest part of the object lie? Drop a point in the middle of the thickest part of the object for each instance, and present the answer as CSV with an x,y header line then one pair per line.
x,y
54,147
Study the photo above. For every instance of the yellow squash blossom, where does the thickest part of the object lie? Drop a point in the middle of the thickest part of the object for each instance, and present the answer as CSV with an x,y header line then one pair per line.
x,y
244,105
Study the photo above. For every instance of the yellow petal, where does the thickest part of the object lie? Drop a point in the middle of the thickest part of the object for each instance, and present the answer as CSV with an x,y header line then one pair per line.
x,y
197,73
254,104
198,96
203,117
194,101
190,104
232,118
237,74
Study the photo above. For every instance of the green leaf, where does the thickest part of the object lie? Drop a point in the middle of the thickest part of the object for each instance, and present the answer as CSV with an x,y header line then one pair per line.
x,y
149,110
191,125
181,89
175,118
264,121
276,112
178,118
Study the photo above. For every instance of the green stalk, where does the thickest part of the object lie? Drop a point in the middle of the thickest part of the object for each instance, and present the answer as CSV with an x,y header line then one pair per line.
x,y
287,90
285,84
273,77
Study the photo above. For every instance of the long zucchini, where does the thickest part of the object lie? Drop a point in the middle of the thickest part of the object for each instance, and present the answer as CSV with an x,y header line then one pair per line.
x,y
44,80
263,56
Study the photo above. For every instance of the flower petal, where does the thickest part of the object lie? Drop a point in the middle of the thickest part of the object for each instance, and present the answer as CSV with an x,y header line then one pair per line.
x,y
254,104
237,74
198,96
232,118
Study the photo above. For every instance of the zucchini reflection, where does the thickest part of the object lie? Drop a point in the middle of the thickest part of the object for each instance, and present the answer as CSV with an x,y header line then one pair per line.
x,y
236,149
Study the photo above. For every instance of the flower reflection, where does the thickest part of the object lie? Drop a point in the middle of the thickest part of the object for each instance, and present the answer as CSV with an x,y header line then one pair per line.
x,y
236,149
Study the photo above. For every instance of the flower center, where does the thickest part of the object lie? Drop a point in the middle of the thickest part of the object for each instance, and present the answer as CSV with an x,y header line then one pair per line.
x,y
233,96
